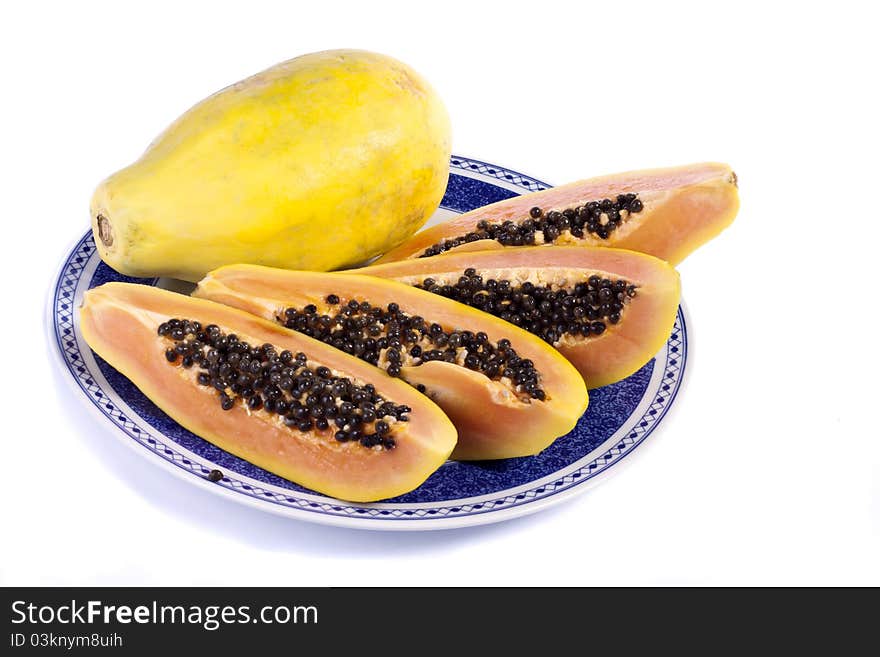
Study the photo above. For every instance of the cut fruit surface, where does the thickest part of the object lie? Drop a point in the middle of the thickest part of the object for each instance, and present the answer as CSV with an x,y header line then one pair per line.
x,y
608,311
666,213
507,392
265,394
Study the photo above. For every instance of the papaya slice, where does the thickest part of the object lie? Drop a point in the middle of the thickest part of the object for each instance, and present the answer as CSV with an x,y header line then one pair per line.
x,y
507,392
269,395
666,213
608,311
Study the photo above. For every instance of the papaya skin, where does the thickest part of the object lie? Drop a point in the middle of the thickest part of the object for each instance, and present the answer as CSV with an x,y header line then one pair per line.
x,y
492,422
623,348
320,162
684,207
119,321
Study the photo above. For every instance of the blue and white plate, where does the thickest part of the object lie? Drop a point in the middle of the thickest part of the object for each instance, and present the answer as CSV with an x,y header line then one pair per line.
x,y
619,419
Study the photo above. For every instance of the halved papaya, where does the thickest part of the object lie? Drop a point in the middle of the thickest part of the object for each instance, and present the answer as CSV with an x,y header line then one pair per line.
x,y
608,311
507,392
663,212
265,394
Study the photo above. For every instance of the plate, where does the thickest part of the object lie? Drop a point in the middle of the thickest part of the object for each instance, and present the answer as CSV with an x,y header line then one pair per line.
x,y
620,417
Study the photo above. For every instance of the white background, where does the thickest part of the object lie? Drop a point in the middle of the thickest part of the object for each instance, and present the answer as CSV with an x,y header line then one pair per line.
x,y
769,471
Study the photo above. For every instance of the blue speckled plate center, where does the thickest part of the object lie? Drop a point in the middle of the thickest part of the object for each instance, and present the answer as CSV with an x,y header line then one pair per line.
x,y
620,417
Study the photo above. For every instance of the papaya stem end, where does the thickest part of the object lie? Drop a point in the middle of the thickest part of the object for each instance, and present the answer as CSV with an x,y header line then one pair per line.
x,y
105,230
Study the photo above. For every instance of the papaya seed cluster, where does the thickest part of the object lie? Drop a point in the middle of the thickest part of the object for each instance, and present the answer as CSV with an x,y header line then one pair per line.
x,y
392,338
548,311
283,383
599,218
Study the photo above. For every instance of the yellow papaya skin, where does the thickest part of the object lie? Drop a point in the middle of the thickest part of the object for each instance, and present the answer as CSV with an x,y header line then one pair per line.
x,y
684,207
119,321
320,162
492,423
622,349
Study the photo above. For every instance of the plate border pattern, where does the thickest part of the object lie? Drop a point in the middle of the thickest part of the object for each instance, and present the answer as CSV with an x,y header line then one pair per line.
x,y
62,319
487,169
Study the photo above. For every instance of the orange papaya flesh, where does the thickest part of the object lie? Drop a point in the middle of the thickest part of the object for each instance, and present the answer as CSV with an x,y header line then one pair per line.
x,y
495,415
604,345
666,213
120,322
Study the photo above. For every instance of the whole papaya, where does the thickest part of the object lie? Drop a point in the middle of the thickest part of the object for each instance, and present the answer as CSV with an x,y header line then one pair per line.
x,y
320,162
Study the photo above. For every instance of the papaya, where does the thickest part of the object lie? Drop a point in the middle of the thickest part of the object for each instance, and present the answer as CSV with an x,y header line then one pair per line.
x,y
608,311
507,392
666,213
273,397
319,162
